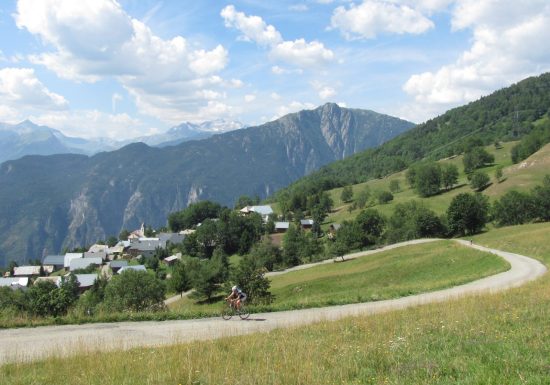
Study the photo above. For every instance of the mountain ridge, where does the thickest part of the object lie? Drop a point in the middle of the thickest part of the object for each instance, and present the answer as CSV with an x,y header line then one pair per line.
x,y
73,200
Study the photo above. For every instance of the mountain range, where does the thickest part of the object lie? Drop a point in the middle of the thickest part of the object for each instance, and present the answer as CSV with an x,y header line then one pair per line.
x,y
27,138
48,203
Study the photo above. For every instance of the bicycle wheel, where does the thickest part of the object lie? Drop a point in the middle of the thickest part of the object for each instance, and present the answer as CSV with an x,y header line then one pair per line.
x,y
244,313
227,313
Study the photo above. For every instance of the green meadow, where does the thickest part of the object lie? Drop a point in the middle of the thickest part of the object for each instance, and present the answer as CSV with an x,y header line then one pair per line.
x,y
390,274
485,339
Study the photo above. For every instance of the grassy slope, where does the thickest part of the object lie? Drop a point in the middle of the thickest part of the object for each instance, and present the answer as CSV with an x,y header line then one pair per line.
x,y
523,176
391,274
488,339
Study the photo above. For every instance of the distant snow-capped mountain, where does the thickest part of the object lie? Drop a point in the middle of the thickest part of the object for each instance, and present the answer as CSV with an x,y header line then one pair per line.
x,y
27,138
189,131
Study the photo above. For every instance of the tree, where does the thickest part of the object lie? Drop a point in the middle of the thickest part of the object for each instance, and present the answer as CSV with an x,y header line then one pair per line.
x,y
347,194
193,215
348,237
134,291
245,200
251,279
265,254
44,298
384,197
479,180
372,226
292,243
124,234
394,186
475,158
467,214
412,220
499,174
363,198
112,240
449,176
541,198
180,280
427,179
514,208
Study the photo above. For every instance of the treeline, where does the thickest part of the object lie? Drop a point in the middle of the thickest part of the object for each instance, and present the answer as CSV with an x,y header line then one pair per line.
x,y
507,114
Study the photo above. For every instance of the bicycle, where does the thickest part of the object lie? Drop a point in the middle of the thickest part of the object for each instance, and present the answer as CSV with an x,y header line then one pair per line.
x,y
230,310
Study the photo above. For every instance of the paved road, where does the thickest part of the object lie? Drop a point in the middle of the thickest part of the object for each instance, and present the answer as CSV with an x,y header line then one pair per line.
x,y
29,344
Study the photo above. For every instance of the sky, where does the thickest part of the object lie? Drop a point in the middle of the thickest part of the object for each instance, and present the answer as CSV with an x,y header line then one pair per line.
x,y
128,68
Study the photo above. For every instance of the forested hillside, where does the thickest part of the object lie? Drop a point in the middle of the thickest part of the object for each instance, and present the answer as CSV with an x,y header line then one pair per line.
x,y
507,114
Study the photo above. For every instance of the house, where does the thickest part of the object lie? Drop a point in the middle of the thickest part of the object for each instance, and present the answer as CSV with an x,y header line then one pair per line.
x,y
133,267
144,246
116,250
172,259
99,254
306,223
332,229
136,234
172,238
26,271
55,261
14,282
98,248
281,227
86,281
83,263
264,211
69,257
117,265
55,280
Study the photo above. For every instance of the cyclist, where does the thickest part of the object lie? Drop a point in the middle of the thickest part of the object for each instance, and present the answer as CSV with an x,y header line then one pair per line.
x,y
237,297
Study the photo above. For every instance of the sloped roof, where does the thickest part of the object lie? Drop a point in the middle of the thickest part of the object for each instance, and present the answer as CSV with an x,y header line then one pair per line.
x,y
86,280
13,281
306,222
133,267
119,263
282,225
100,254
98,248
262,210
54,260
172,258
70,256
26,270
82,263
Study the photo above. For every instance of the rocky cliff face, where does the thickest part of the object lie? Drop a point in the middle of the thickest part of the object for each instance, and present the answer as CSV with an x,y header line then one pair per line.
x,y
48,203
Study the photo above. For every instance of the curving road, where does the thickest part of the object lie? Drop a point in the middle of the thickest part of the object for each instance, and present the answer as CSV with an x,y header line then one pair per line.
x,y
29,344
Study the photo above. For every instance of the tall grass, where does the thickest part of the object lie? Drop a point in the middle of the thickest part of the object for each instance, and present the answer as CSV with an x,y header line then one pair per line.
x,y
486,339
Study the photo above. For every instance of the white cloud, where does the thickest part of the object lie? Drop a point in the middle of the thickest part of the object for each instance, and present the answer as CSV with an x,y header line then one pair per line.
x,y
299,8
96,39
373,17
275,96
285,71
509,43
92,123
249,98
302,54
298,53
324,91
253,28
21,90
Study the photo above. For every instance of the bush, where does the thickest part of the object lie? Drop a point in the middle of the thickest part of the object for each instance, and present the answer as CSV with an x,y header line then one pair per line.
x,y
467,214
134,291
384,197
514,208
479,180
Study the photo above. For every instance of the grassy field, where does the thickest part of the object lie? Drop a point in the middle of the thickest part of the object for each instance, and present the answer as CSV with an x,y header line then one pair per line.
x,y
488,339
390,274
522,176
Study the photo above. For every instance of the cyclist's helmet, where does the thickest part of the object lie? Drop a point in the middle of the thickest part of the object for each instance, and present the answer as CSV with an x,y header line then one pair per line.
x,y
234,288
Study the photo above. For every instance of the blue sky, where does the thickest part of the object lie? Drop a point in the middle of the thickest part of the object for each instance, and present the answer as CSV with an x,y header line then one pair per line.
x,y
135,67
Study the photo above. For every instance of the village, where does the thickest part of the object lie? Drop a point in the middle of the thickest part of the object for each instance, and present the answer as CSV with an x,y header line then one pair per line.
x,y
100,259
